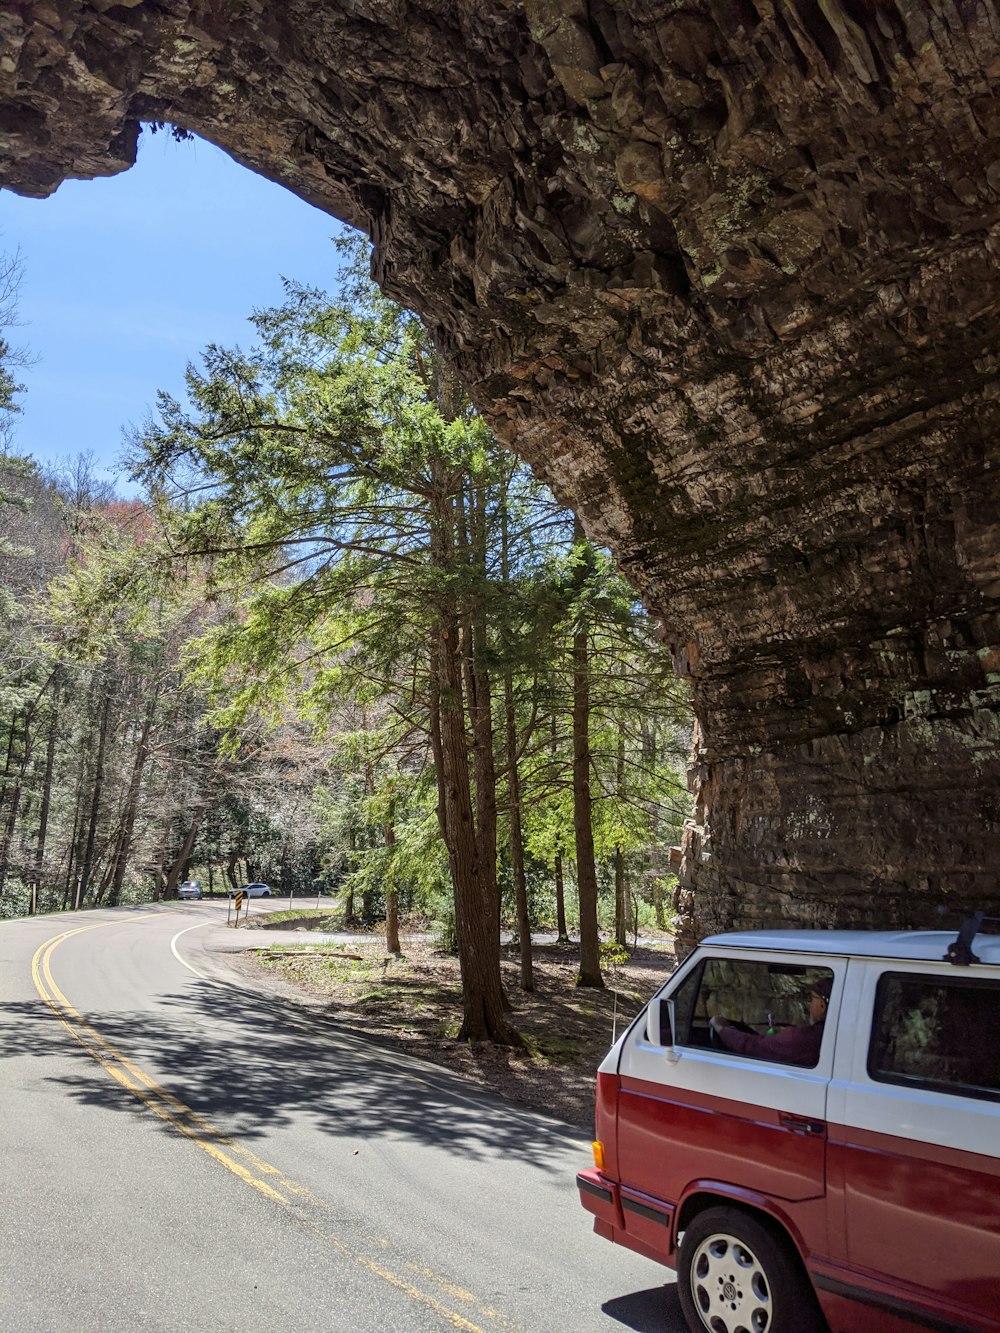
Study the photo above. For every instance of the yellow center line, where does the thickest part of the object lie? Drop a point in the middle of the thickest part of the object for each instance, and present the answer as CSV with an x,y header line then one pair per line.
x,y
207,1137
456,1293
124,1072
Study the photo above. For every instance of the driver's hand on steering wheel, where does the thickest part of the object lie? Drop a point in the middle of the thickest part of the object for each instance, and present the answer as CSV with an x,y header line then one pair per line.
x,y
717,1024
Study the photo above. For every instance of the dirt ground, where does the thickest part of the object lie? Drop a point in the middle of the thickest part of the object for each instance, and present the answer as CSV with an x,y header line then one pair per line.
x,y
414,1003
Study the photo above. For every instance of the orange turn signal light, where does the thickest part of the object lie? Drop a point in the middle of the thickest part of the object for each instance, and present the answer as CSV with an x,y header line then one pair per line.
x,y
598,1148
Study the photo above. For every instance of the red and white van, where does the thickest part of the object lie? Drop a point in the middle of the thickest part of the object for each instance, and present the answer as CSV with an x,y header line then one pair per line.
x,y
857,1189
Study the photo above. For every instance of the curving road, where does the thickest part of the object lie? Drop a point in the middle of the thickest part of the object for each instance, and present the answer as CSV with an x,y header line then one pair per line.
x,y
181,1153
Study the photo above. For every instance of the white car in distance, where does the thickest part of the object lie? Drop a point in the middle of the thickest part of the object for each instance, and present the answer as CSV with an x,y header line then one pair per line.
x,y
252,891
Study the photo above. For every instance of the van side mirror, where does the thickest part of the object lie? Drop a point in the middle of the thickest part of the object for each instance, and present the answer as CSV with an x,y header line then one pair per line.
x,y
660,1022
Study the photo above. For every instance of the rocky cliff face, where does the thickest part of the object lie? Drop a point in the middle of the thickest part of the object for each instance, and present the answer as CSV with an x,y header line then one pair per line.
x,y
725,272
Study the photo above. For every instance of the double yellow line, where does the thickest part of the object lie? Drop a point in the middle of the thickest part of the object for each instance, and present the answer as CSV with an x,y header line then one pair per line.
x,y
224,1150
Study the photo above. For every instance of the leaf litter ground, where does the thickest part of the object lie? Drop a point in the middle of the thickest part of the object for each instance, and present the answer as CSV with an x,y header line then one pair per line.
x,y
414,1003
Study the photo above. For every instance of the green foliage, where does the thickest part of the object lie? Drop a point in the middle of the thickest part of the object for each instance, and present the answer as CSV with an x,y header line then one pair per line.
x,y
442,910
302,916
274,605
15,899
613,955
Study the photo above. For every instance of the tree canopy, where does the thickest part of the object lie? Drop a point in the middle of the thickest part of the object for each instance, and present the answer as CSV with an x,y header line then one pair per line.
x,y
342,592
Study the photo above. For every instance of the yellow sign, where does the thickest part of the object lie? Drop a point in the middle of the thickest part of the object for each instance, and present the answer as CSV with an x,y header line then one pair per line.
x,y
239,902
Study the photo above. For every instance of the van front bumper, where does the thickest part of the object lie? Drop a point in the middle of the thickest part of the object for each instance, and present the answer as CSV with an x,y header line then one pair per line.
x,y
627,1217
600,1197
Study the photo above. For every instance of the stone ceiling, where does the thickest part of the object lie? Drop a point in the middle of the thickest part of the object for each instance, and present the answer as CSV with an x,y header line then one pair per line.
x,y
725,273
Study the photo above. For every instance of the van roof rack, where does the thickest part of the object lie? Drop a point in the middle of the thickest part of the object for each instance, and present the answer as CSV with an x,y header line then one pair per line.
x,y
959,951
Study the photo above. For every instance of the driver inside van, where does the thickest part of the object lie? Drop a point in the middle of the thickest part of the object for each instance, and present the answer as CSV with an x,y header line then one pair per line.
x,y
798,1045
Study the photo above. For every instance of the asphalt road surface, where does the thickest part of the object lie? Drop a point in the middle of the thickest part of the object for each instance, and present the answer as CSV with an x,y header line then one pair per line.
x,y
178,1152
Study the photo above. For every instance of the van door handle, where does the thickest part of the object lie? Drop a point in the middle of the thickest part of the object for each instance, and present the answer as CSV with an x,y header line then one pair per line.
x,y
801,1124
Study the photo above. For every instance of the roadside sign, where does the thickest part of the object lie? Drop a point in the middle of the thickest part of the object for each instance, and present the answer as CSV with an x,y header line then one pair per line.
x,y
239,903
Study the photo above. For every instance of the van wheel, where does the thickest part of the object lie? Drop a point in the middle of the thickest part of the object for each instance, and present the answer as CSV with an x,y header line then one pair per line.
x,y
734,1275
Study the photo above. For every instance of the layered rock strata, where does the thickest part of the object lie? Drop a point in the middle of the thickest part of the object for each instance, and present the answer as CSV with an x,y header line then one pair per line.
x,y
725,273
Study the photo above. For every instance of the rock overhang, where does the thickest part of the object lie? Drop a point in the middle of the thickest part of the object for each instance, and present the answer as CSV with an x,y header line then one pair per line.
x,y
724,271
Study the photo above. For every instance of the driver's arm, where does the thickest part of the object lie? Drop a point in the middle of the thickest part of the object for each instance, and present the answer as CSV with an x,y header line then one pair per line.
x,y
745,1043
792,1045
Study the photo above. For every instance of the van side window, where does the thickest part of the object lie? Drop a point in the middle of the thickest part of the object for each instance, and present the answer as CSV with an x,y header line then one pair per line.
x,y
940,1033
760,1000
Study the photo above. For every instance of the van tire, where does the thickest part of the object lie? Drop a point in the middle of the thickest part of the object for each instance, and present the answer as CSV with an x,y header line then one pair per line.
x,y
735,1271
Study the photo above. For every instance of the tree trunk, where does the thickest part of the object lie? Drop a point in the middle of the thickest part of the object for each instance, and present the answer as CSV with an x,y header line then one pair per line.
x,y
622,914
586,869
73,858
517,841
9,760
124,844
391,892
479,694
475,905
15,793
43,813
514,787
562,932
173,875
655,851
621,900
350,918
86,869
437,751
557,869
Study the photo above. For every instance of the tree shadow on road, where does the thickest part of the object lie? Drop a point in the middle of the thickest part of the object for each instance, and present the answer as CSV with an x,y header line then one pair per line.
x,y
248,1064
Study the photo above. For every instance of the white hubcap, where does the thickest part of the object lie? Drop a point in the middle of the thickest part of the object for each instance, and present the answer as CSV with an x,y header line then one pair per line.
x,y
729,1286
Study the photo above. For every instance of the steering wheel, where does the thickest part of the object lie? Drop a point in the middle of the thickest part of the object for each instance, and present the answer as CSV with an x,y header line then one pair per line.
x,y
715,1040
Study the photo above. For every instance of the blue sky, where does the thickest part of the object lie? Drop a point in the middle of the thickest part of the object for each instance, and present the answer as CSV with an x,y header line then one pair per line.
x,y
127,278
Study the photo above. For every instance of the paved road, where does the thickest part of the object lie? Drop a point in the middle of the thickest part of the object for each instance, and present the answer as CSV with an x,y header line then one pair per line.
x,y
181,1153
